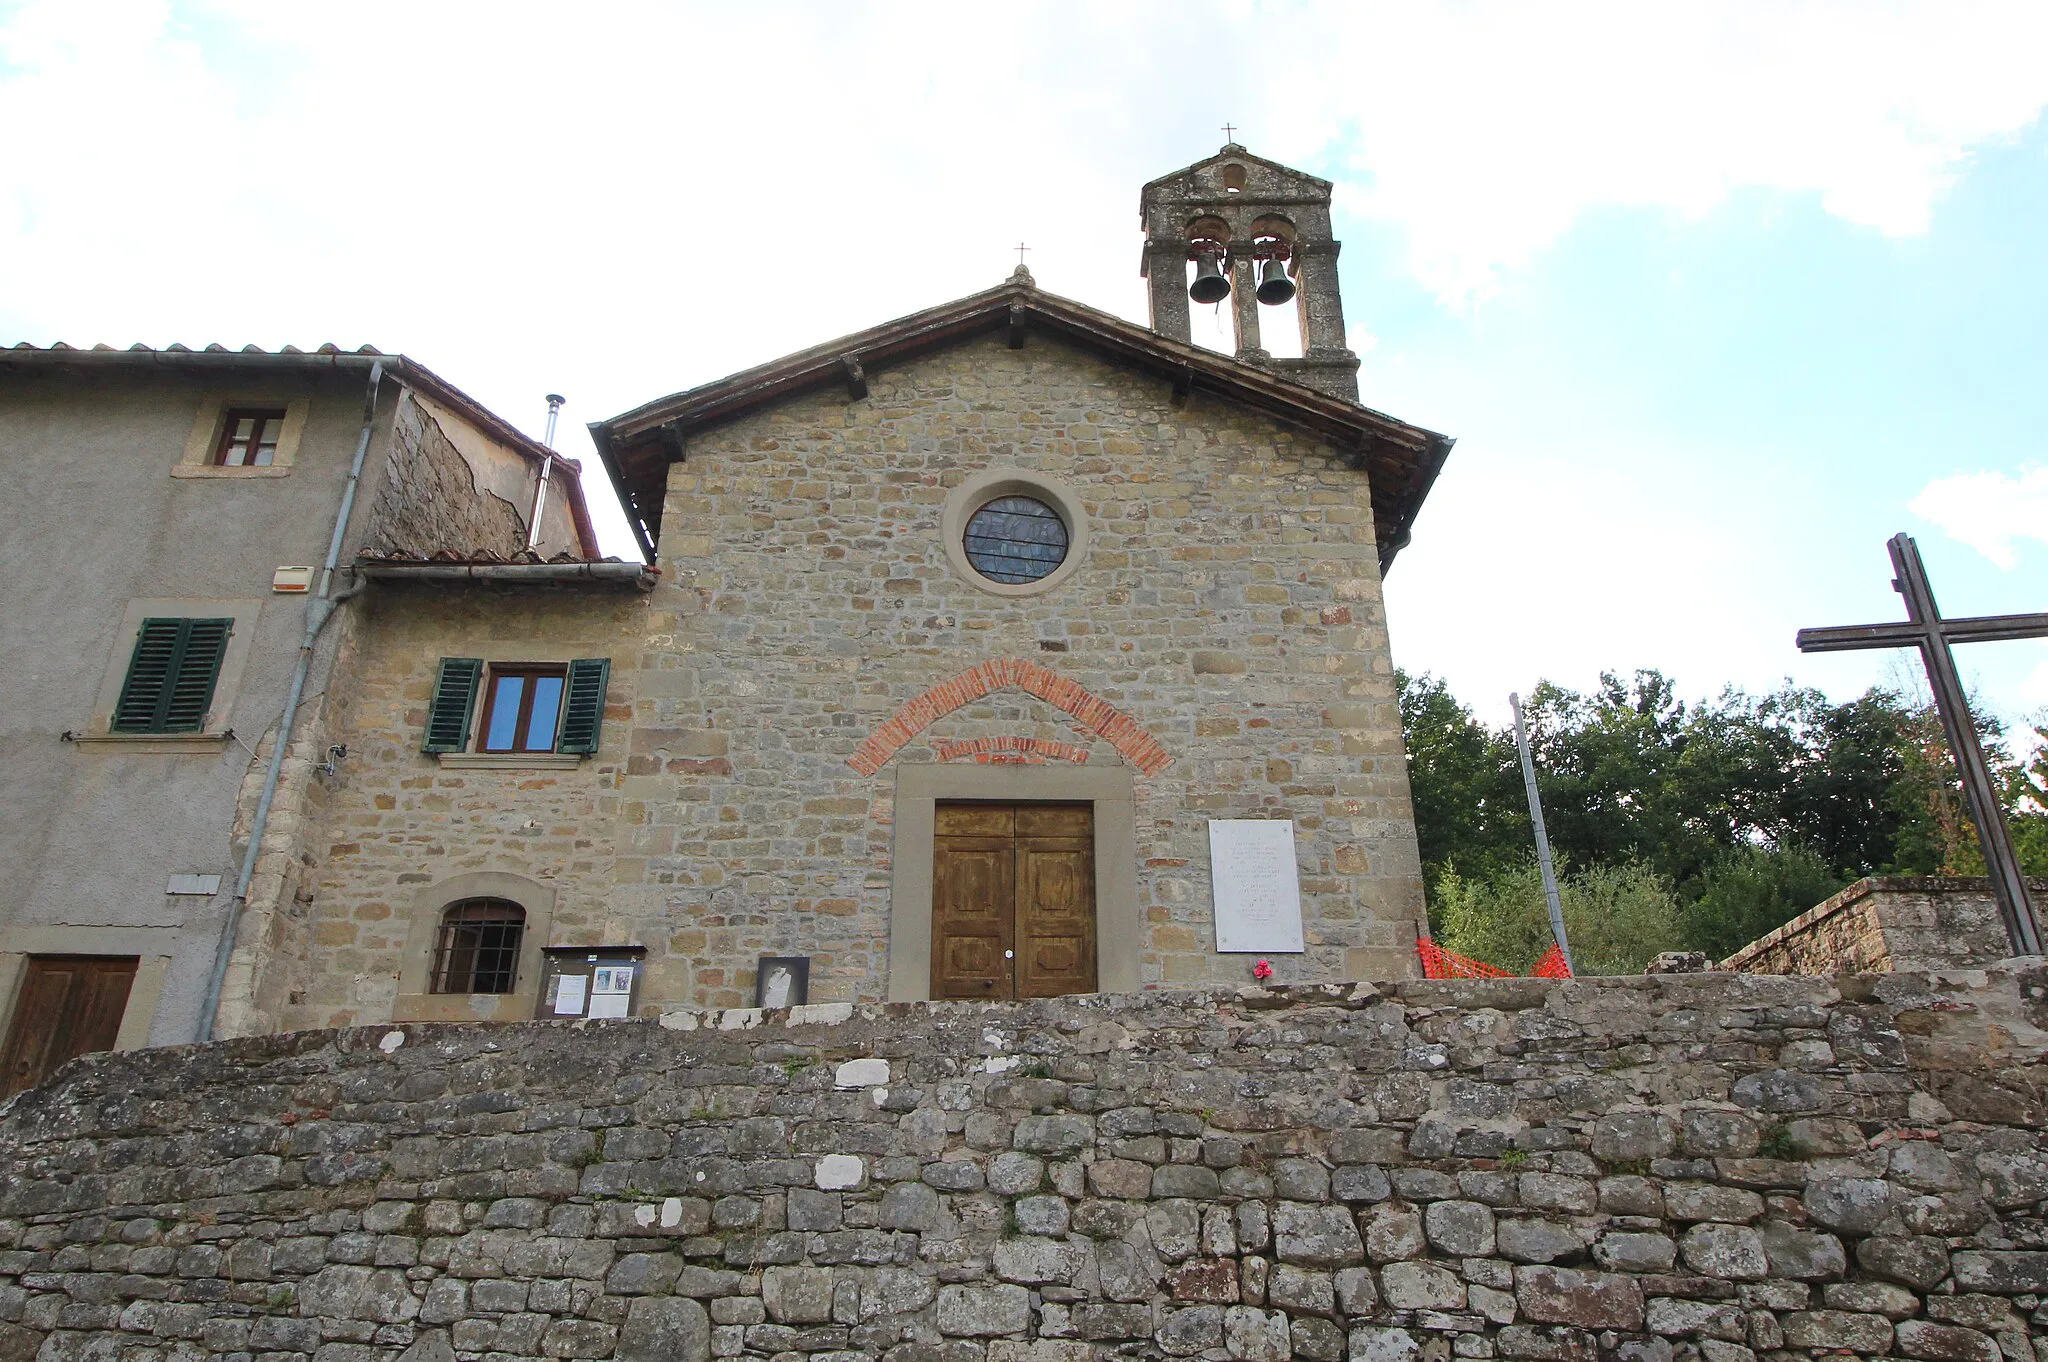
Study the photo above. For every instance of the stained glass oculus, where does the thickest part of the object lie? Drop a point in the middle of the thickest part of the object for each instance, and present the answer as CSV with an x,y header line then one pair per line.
x,y
1016,539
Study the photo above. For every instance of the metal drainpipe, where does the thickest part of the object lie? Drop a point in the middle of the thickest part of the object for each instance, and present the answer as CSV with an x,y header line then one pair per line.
x,y
319,610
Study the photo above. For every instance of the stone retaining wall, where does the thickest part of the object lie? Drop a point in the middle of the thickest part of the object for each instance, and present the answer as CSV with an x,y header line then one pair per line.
x,y
1681,1167
1887,923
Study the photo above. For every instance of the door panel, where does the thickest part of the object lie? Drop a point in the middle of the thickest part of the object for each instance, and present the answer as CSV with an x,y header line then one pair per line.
x,y
1055,916
69,1005
1013,900
973,890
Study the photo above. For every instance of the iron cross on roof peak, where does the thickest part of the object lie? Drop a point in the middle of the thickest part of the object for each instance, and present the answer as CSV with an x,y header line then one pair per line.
x,y
1229,134
1020,248
1925,629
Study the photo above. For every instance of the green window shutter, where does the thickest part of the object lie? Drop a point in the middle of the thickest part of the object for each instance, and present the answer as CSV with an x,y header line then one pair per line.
x,y
171,675
454,703
583,705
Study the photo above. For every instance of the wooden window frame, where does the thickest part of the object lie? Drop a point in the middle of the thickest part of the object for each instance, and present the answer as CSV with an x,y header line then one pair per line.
x,y
264,418
530,671
473,912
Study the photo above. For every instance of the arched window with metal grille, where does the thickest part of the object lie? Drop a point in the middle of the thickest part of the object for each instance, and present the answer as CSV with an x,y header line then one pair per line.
x,y
477,950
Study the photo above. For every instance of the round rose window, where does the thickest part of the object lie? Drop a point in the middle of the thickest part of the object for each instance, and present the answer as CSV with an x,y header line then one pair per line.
x,y
1015,539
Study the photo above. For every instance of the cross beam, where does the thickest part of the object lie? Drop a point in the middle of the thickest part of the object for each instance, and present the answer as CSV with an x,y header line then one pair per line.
x,y
1925,629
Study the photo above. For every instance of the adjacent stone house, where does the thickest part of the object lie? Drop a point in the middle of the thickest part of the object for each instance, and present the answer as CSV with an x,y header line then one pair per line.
x,y
955,635
169,514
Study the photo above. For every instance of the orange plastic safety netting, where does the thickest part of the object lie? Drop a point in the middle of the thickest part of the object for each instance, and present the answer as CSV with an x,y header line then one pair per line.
x,y
1438,963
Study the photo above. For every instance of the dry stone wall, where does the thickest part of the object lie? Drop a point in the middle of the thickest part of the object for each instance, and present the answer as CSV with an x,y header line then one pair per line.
x,y
1711,1167
1886,923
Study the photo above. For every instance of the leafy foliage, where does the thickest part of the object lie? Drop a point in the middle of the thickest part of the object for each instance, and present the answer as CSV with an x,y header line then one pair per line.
x,y
1748,810
1616,916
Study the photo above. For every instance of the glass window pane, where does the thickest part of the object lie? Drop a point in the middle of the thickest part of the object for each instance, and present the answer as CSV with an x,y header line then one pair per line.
x,y
505,693
547,705
1016,539
235,455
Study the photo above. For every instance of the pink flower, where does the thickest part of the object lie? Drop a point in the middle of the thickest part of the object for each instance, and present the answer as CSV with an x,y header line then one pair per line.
x,y
1263,970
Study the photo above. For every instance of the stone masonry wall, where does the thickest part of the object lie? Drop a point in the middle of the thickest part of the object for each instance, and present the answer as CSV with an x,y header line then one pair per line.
x,y
1687,1168
397,820
1888,923
430,501
1229,607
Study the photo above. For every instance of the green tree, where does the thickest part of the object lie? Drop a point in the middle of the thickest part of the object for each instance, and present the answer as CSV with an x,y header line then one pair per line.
x,y
1467,787
1617,917
1751,890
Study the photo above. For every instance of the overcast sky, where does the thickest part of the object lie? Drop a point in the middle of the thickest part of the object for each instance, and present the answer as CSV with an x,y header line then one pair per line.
x,y
1715,298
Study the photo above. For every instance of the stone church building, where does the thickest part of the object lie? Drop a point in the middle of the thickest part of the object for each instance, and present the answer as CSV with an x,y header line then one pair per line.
x,y
965,626
952,639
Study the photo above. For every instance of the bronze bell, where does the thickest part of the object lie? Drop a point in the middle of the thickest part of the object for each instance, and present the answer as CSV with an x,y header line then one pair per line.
x,y
1275,287
1211,285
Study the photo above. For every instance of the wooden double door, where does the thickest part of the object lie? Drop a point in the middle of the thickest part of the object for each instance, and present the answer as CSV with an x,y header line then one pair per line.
x,y
69,1005
1013,900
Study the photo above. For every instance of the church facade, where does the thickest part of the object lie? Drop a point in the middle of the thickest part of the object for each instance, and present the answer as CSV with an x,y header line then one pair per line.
x,y
957,635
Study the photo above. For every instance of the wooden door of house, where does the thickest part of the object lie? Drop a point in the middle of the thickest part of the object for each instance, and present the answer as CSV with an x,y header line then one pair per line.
x,y
69,1005
1013,900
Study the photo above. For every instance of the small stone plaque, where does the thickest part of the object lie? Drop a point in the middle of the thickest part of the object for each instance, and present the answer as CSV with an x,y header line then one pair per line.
x,y
1256,889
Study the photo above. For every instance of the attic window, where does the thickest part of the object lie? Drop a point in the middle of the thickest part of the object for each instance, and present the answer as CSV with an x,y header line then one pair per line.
x,y
1233,179
249,438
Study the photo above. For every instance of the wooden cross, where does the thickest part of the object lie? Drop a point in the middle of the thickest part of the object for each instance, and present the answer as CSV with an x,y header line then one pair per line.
x,y
1021,248
1926,630
1229,133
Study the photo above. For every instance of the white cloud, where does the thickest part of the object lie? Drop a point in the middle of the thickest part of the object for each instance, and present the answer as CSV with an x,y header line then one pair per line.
x,y
1487,130
1989,511
623,200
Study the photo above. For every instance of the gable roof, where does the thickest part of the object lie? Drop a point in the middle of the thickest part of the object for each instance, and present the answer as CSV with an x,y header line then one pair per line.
x,y
1400,461
1231,151
401,368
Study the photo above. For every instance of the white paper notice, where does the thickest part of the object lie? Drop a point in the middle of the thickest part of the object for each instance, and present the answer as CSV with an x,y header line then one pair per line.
x,y
1255,886
609,1004
569,995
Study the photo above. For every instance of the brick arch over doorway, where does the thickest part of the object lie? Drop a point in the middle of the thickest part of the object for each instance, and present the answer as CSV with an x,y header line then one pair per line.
x,y
1094,713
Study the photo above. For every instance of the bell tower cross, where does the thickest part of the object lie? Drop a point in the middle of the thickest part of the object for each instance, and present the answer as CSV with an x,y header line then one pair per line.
x,y
1258,234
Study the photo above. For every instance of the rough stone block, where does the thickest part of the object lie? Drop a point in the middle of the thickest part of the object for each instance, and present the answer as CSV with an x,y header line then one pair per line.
x,y
1629,1251
1036,1261
1801,1254
1730,1252
664,1329
1421,1286
1316,1236
1527,1239
1838,1329
1463,1229
1944,1342
1589,1300
1705,1201
983,1311
1253,1335
1378,1343
1183,1333
797,1295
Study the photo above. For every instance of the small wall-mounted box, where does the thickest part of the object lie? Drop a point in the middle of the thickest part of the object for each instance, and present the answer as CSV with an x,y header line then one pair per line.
x,y
207,885
292,579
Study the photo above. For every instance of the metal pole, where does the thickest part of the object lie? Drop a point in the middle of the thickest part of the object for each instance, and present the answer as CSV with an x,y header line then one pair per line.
x,y
1542,837
1952,704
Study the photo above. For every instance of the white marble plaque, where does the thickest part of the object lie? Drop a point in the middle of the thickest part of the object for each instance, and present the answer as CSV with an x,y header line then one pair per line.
x,y
1253,879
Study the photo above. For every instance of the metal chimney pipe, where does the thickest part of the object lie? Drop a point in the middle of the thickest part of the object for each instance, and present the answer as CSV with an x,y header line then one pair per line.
x,y
540,491
555,401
